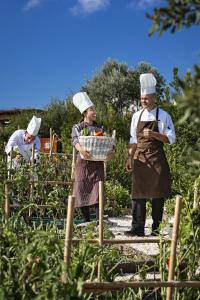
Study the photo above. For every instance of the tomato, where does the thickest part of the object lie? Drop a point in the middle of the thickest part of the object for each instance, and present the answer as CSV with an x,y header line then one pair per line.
x,y
99,133
37,259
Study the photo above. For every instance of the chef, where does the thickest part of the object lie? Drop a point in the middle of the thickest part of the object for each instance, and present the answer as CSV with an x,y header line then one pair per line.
x,y
151,128
21,142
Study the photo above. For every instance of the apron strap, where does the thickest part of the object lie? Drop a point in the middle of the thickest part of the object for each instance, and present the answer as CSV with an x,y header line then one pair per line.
x,y
157,113
140,116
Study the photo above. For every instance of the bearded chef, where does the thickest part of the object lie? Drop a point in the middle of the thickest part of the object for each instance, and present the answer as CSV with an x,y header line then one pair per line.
x,y
151,128
21,142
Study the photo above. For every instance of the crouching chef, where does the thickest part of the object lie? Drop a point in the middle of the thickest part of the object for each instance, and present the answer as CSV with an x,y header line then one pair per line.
x,y
21,142
151,128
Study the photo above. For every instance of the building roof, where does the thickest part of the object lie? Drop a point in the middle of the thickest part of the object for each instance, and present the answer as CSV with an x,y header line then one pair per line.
x,y
6,114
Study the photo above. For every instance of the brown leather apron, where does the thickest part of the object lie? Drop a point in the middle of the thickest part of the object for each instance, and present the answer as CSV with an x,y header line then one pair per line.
x,y
151,173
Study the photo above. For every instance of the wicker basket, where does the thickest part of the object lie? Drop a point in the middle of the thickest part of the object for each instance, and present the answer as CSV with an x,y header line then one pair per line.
x,y
98,146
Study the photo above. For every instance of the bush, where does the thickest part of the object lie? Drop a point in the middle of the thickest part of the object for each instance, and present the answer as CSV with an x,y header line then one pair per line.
x,y
117,198
116,166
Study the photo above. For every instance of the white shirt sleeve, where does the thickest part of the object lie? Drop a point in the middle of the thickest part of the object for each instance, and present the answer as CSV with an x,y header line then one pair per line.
x,y
169,129
134,121
37,143
13,141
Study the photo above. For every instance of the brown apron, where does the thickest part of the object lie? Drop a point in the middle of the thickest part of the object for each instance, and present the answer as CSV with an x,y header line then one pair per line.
x,y
86,184
151,173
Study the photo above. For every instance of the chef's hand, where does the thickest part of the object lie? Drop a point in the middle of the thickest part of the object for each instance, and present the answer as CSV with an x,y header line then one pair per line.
x,y
148,133
86,154
110,155
129,165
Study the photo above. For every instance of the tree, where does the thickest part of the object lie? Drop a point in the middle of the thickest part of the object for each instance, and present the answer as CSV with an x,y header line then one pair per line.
x,y
117,84
176,15
54,116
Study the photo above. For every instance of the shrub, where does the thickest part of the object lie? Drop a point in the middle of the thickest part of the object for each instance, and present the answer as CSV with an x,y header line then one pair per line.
x,y
117,198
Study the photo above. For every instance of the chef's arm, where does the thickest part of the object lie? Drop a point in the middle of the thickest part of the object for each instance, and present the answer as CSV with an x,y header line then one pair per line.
x,y
160,137
85,153
148,133
131,152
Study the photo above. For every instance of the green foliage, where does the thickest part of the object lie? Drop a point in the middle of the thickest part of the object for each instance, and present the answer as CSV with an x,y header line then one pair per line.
x,y
116,167
175,15
73,117
54,116
188,251
117,84
117,198
189,100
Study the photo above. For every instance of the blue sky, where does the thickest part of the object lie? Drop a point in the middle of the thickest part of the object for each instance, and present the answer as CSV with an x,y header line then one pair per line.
x,y
49,48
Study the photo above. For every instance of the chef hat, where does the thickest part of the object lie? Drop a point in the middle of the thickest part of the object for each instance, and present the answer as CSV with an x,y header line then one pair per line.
x,y
147,84
34,126
82,101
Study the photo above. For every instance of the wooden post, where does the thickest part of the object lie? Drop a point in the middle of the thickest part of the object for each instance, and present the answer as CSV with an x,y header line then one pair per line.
x,y
73,163
68,231
10,163
175,231
50,140
101,214
196,193
7,200
51,145
32,177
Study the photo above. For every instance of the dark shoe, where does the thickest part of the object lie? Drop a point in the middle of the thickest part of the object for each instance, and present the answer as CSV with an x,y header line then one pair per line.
x,y
134,232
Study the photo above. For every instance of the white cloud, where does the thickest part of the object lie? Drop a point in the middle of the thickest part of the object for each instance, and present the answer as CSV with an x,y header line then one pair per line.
x,y
31,4
89,6
144,3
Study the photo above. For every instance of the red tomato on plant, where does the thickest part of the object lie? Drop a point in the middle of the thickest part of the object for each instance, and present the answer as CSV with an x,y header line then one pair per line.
x,y
37,259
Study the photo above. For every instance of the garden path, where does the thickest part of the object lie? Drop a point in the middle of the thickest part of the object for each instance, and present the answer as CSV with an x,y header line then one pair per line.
x,y
120,224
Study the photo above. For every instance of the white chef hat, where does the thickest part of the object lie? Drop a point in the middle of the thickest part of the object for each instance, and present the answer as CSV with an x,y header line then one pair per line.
x,y
34,126
82,101
147,84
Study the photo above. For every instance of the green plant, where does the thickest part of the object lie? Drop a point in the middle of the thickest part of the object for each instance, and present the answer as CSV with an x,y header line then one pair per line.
x,y
117,198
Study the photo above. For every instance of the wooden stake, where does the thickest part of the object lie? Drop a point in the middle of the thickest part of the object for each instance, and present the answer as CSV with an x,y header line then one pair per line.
x,y
73,163
10,163
32,185
175,232
68,231
196,193
50,140
119,285
101,214
7,201
136,240
51,145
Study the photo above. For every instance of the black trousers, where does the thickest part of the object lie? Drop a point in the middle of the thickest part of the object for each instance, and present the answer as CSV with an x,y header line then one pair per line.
x,y
139,213
85,210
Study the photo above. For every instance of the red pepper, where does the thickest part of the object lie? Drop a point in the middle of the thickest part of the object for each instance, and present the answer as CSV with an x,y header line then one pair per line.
x,y
99,133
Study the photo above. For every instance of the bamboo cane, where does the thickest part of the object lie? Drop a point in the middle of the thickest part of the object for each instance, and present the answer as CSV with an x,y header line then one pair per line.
x,y
196,194
50,141
51,145
101,213
44,182
68,231
73,163
7,201
32,185
125,241
175,232
10,165
119,285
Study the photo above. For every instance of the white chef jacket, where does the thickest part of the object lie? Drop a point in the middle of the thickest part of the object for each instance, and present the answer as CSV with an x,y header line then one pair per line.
x,y
165,124
17,139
